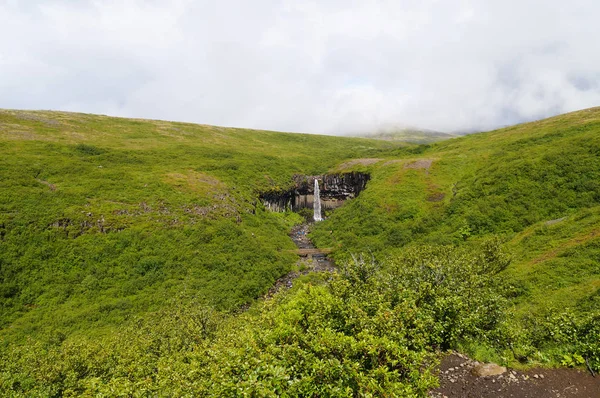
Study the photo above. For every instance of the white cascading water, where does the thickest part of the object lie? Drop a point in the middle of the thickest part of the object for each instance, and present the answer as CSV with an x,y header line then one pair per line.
x,y
317,202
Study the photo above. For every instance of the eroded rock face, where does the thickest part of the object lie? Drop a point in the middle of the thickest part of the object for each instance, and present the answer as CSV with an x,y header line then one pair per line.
x,y
335,189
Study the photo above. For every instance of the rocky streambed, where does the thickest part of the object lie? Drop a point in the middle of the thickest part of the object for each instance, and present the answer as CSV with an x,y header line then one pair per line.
x,y
306,264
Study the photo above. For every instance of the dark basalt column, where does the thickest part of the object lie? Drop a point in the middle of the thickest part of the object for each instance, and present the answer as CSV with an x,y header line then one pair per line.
x,y
335,189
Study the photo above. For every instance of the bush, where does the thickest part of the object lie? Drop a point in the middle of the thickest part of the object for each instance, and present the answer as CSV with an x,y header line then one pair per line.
x,y
374,329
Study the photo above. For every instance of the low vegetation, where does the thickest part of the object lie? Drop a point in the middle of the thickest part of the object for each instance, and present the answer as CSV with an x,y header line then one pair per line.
x,y
534,186
370,330
128,247
103,218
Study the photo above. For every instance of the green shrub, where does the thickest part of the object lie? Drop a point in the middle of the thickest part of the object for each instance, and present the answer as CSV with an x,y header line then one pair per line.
x,y
372,330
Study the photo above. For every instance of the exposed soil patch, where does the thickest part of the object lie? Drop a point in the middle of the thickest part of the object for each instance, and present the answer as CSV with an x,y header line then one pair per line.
x,y
49,185
419,164
436,197
389,162
362,162
36,117
457,379
18,132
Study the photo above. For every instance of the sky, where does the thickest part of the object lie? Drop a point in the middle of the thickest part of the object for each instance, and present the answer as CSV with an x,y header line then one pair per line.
x,y
325,66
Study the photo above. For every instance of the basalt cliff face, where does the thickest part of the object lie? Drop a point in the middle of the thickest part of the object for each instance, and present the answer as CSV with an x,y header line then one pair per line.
x,y
334,190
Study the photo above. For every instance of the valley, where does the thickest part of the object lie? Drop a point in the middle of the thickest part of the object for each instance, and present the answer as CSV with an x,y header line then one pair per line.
x,y
128,248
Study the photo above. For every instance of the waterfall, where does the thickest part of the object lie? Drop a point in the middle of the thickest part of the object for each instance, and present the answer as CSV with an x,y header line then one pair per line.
x,y
317,202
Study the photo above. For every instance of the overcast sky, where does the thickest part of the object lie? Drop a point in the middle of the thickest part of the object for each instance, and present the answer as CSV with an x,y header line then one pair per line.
x,y
324,66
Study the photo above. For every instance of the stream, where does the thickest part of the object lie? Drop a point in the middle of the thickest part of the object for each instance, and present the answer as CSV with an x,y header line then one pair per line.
x,y
306,263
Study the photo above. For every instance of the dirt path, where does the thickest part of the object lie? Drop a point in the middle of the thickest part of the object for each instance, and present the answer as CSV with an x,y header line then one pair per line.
x,y
576,241
457,380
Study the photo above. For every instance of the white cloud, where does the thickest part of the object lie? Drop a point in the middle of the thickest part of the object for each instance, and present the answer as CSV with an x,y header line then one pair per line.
x,y
315,66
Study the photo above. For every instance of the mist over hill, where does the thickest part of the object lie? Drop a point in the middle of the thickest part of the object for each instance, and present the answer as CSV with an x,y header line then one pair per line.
x,y
406,134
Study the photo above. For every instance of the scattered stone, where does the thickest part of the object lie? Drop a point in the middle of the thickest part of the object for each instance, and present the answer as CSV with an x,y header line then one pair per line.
x,y
488,369
560,383
552,222
451,370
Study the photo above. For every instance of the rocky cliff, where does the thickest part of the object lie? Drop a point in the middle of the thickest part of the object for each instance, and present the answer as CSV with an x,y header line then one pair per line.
x,y
335,189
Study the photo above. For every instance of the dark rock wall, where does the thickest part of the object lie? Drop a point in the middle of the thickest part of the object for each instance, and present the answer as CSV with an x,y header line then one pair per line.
x,y
335,189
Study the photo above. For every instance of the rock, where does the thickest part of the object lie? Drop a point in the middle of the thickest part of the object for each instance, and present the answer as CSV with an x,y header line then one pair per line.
x,y
552,222
488,369
535,376
335,189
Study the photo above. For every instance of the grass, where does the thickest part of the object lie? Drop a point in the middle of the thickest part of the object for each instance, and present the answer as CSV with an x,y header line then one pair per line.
x,y
147,236
511,183
103,218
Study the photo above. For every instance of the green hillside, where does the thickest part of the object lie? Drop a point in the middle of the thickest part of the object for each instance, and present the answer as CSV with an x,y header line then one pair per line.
x,y
415,136
101,217
127,248
536,185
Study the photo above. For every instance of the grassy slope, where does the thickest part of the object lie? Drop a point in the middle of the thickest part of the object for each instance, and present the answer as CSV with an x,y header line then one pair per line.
x,y
414,136
508,182
409,135
102,218
170,213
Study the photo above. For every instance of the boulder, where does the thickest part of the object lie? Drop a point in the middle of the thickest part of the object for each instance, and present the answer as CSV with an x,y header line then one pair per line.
x,y
488,369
